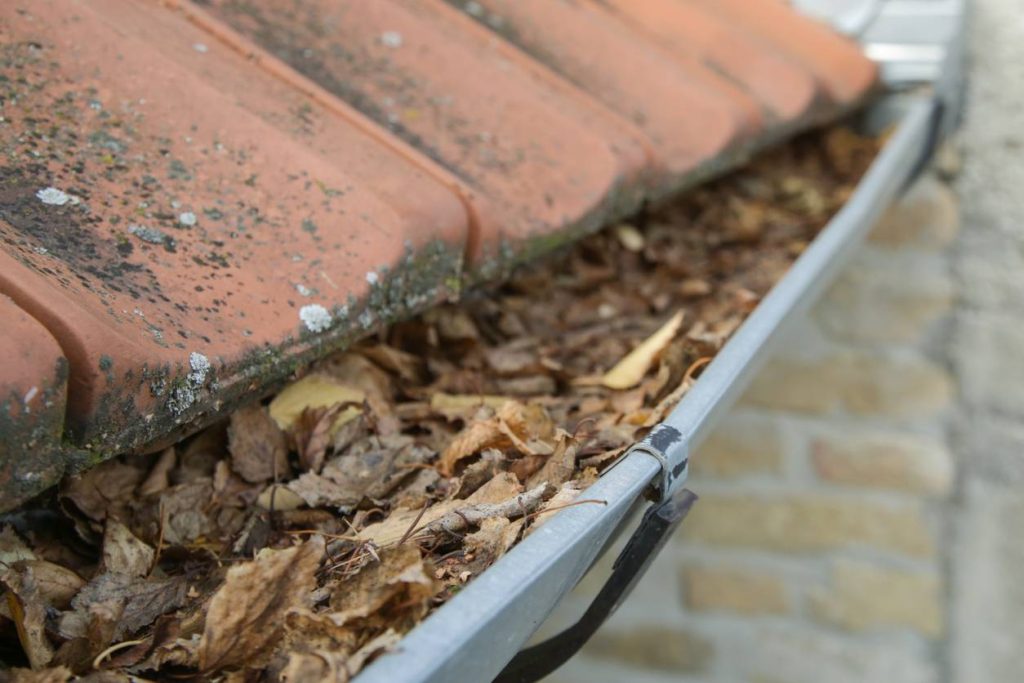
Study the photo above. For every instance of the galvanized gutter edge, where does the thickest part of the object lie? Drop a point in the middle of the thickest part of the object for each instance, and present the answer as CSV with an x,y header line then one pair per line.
x,y
473,636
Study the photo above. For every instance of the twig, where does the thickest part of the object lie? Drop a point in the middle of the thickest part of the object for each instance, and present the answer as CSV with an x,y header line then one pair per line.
x,y
412,527
159,539
114,648
460,520
563,506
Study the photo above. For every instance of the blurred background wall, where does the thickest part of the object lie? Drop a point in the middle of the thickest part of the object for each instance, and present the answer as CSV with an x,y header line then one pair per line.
x,y
862,509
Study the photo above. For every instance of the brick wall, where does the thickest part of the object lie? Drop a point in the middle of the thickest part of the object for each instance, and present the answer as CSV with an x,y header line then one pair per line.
x,y
987,352
818,550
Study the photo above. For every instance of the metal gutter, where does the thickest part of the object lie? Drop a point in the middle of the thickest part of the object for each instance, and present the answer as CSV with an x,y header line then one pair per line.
x,y
474,635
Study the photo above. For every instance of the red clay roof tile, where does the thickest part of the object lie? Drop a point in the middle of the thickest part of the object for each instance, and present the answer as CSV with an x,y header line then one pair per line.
x,y
215,226
837,62
785,88
540,157
32,393
690,113
197,201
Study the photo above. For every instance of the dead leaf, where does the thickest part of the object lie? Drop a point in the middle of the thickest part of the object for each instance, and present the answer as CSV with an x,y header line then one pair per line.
x,y
567,493
59,674
57,585
406,365
401,578
631,369
399,523
29,614
279,497
123,553
533,385
185,512
356,371
105,488
158,478
560,465
312,434
12,548
134,602
526,428
315,391
493,539
454,405
257,445
246,614
477,435
459,520
630,238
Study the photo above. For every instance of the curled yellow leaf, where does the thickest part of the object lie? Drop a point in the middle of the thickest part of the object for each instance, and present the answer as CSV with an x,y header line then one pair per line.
x,y
628,372
315,391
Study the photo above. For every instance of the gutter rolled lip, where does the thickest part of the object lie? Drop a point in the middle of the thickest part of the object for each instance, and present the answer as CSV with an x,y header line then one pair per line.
x,y
478,631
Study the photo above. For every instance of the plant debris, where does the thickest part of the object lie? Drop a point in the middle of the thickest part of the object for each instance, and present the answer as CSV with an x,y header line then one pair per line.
x,y
302,537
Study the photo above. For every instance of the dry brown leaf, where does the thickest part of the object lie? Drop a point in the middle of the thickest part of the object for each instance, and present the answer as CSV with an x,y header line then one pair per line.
x,y
628,372
257,445
131,603
399,523
279,497
356,371
315,391
124,553
401,578
476,436
566,494
493,539
406,365
57,585
185,512
28,612
313,434
464,517
459,405
58,674
560,465
12,548
158,478
376,646
325,666
105,488
630,238
246,614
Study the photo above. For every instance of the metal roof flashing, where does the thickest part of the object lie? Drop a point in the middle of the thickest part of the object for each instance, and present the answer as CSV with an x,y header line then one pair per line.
x,y
499,611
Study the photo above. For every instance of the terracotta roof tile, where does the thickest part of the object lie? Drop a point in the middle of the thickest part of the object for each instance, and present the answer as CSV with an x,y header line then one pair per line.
x,y
689,113
208,211
197,201
785,88
32,392
537,156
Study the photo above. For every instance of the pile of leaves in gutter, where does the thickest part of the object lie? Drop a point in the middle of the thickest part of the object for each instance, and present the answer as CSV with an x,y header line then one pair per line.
x,y
301,538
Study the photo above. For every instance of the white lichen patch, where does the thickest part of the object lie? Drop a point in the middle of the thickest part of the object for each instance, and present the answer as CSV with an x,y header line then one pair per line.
x,y
183,396
392,39
200,48
372,278
315,317
53,197
147,234
187,218
303,289
200,365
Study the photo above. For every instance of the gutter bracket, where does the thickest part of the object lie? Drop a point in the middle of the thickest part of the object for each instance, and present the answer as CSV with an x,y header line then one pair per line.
x,y
666,445
657,526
